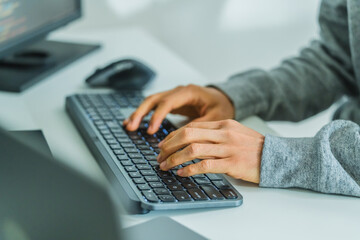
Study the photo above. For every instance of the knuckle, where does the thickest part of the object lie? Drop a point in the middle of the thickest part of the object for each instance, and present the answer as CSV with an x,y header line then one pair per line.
x,y
191,87
193,149
171,160
228,122
187,133
163,101
191,169
180,87
205,165
226,133
165,148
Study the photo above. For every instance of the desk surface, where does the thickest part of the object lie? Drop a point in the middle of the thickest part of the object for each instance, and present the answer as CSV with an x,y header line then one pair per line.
x,y
266,213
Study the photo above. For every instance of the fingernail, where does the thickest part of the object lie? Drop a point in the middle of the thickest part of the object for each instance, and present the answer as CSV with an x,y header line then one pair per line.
x,y
180,172
150,129
163,165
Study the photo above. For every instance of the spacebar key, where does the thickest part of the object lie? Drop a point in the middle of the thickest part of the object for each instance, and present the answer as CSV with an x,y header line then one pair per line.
x,y
212,192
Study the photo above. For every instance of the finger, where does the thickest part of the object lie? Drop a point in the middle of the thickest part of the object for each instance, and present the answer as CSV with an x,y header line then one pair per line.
x,y
172,101
187,136
133,122
205,125
158,116
205,166
193,151
169,136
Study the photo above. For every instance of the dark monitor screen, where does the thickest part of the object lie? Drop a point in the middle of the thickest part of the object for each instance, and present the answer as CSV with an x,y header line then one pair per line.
x,y
23,21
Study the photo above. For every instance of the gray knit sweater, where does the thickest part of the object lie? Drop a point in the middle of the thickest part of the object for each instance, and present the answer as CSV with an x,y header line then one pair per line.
x,y
301,87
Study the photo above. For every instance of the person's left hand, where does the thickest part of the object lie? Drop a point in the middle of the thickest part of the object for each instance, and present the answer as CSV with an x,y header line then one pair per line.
x,y
224,146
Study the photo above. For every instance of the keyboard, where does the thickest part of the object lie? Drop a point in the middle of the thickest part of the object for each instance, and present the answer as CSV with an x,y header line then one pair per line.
x,y
128,159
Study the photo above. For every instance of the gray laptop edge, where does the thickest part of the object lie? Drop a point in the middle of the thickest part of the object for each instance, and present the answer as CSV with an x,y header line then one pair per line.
x,y
44,199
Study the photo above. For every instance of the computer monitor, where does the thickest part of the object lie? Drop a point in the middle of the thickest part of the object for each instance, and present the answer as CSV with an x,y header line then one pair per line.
x,y
25,56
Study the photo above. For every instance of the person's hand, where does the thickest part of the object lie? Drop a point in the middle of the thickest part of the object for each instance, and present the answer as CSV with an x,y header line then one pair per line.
x,y
201,103
224,147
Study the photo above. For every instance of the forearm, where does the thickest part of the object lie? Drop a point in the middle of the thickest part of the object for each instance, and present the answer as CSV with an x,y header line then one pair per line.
x,y
328,163
300,87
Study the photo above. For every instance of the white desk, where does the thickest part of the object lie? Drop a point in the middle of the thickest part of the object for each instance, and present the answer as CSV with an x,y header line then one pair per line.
x,y
266,213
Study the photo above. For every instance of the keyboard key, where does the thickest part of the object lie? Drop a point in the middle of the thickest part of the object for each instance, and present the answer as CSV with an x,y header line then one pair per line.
x,y
152,179
148,172
189,185
150,196
142,143
135,137
202,181
143,167
212,192
199,176
135,155
123,140
154,145
174,187
127,145
164,174
169,180
143,186
127,163
161,191
197,194
151,158
119,151
122,157
229,193
131,150
213,176
147,152
182,196
135,174
139,161
143,146
156,184
157,150
121,135
183,179
167,198
221,185
115,146
111,141
130,169
139,180
108,136
154,163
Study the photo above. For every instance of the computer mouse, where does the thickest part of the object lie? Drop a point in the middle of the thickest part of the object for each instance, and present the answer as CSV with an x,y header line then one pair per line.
x,y
121,75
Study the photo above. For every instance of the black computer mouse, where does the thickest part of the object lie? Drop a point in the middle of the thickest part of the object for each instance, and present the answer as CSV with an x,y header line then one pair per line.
x,y
122,75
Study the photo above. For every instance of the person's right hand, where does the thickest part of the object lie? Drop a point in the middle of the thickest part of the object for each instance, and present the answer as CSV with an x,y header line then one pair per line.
x,y
196,102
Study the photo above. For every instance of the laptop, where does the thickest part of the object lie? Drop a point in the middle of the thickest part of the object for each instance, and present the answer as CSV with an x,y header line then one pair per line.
x,y
42,198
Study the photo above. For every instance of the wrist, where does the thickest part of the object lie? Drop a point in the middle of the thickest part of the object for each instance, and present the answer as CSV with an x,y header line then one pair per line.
x,y
224,100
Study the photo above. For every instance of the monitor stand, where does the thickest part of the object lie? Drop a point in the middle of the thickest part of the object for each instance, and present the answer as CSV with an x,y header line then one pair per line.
x,y
31,65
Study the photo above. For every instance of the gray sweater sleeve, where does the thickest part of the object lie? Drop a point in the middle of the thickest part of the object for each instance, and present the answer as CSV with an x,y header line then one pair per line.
x,y
328,163
304,85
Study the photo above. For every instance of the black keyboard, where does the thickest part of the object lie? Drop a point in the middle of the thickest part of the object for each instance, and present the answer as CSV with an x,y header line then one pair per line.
x,y
128,159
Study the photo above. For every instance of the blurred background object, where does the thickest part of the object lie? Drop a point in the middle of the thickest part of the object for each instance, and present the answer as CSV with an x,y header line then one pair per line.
x,y
220,37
